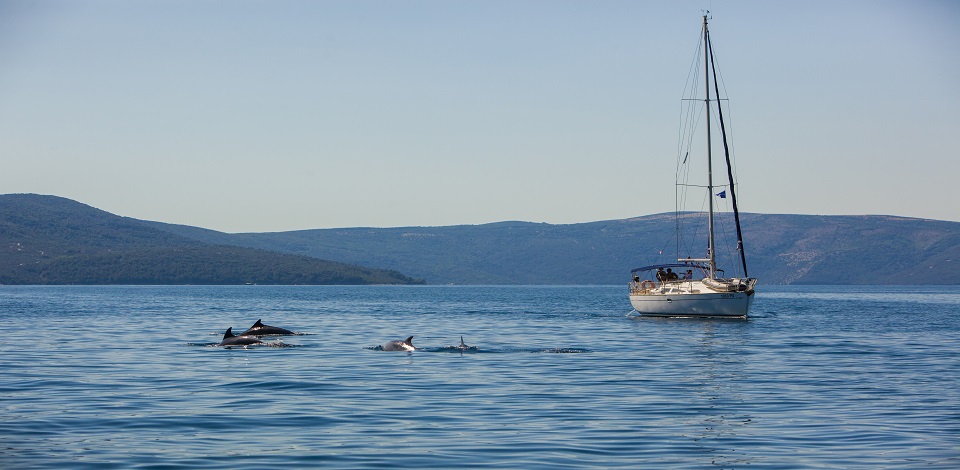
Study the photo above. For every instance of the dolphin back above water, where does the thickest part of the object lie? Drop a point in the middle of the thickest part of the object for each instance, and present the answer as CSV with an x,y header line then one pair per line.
x,y
398,345
464,347
259,329
230,339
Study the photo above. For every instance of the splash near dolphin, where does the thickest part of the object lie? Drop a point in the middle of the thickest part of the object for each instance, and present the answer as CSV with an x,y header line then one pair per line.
x,y
230,339
398,345
259,329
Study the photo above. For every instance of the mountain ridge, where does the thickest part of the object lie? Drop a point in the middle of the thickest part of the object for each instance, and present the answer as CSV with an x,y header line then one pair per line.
x,y
54,240
781,248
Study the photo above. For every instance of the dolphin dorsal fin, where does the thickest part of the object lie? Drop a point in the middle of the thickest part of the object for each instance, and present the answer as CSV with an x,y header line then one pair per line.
x,y
229,333
462,344
258,324
409,341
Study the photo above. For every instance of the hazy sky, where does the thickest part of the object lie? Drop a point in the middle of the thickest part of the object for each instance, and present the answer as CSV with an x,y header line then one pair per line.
x,y
281,115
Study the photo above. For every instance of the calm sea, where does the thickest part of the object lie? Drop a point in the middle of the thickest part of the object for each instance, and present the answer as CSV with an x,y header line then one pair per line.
x,y
129,377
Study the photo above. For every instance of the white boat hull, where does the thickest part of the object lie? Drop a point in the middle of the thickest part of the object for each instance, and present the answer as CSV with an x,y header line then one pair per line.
x,y
681,293
691,300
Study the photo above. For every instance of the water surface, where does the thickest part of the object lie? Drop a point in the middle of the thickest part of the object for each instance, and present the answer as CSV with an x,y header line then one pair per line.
x,y
126,377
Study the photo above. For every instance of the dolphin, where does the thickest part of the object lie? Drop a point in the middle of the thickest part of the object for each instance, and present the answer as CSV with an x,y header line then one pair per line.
x,y
463,346
259,329
398,345
230,339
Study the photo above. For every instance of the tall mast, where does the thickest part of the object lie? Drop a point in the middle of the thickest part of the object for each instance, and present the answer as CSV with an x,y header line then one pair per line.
x,y
726,155
706,74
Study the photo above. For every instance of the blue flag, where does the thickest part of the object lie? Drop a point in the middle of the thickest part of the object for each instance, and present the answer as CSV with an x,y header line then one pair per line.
x,y
722,194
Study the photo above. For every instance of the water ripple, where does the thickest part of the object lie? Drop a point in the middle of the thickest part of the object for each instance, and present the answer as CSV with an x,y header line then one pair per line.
x,y
556,378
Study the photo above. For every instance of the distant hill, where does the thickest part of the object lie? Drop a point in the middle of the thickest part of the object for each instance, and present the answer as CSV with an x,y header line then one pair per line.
x,y
781,249
53,240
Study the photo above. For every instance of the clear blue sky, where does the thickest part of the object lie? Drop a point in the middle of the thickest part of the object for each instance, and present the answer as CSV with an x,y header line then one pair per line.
x,y
281,115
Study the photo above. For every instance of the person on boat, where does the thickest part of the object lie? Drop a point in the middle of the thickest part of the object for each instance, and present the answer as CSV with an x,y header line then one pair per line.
x,y
661,276
689,275
636,277
672,276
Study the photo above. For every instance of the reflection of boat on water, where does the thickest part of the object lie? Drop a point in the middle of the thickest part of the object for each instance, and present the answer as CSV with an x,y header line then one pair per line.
x,y
699,288
715,387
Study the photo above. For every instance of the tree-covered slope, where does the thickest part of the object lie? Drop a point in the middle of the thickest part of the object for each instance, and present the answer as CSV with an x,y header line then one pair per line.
x,y
55,240
52,240
781,249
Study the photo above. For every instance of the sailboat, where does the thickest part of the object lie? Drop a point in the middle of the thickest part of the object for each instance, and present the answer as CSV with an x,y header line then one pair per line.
x,y
689,286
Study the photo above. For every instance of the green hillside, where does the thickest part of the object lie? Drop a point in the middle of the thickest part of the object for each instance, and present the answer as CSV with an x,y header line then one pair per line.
x,y
52,240
781,249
